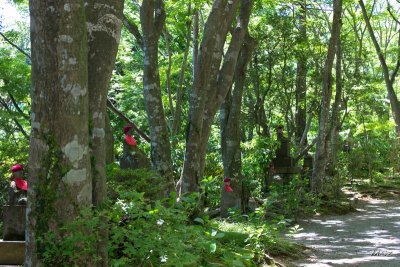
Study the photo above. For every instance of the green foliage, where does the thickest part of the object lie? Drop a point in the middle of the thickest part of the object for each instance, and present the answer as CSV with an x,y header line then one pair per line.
x,y
153,234
290,201
257,155
158,233
211,186
140,180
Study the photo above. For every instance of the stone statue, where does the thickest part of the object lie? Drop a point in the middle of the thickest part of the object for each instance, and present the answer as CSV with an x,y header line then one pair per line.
x,y
14,213
132,157
18,187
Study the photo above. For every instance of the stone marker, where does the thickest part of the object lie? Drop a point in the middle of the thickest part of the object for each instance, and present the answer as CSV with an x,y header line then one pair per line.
x,y
14,223
12,252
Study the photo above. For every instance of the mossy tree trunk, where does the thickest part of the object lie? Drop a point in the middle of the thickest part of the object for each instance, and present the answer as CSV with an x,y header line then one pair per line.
x,y
301,78
211,83
335,117
230,112
320,159
152,18
59,159
104,22
74,45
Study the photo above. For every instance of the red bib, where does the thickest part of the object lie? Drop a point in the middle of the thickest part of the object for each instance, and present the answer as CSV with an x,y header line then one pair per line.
x,y
130,140
228,188
21,184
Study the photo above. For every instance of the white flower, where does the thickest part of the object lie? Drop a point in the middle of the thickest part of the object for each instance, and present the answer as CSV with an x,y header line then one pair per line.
x,y
163,258
160,222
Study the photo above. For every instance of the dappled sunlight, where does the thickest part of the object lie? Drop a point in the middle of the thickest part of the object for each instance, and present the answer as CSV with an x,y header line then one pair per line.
x,y
358,260
369,237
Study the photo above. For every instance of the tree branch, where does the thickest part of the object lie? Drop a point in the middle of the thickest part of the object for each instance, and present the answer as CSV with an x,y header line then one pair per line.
x,y
396,70
127,120
168,74
159,16
391,14
17,107
14,45
304,151
134,30
19,126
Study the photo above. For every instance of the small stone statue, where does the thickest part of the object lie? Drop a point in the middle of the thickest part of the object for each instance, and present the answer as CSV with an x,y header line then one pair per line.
x,y
18,187
133,157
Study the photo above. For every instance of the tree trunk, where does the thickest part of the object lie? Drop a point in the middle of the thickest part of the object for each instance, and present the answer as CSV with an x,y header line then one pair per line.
x,y
318,174
230,133
224,78
110,157
59,159
152,17
335,118
301,78
104,22
389,78
217,83
213,32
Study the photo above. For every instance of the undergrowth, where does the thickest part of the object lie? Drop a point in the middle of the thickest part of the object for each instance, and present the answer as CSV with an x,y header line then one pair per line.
x,y
146,231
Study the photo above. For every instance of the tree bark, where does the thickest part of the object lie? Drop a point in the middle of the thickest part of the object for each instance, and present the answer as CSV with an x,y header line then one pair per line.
x,y
59,159
152,17
335,119
318,174
211,81
189,180
389,78
109,139
223,78
230,132
104,23
301,78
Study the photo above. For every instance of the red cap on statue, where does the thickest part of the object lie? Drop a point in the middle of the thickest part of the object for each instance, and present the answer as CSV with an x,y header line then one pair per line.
x,y
127,128
17,167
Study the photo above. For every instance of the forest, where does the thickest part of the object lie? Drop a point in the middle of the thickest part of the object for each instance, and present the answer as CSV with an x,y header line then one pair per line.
x,y
201,132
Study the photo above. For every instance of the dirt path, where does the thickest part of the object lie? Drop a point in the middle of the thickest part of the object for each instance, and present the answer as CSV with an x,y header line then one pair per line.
x,y
369,237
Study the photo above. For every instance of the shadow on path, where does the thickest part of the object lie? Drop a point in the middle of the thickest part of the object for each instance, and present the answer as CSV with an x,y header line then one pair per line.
x,y
369,237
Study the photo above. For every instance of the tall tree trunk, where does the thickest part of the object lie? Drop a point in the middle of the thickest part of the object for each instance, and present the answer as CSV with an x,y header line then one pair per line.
x,y
224,77
389,78
260,118
230,132
104,22
335,118
152,17
59,159
301,78
217,83
189,180
318,174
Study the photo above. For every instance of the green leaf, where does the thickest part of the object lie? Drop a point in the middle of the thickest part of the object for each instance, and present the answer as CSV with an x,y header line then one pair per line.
x,y
213,247
238,263
220,235
199,220
213,232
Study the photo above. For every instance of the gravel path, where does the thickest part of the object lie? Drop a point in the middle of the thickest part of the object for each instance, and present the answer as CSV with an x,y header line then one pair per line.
x,y
369,237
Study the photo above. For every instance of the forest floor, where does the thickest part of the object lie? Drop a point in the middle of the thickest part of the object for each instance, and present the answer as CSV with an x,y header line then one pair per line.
x,y
368,237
